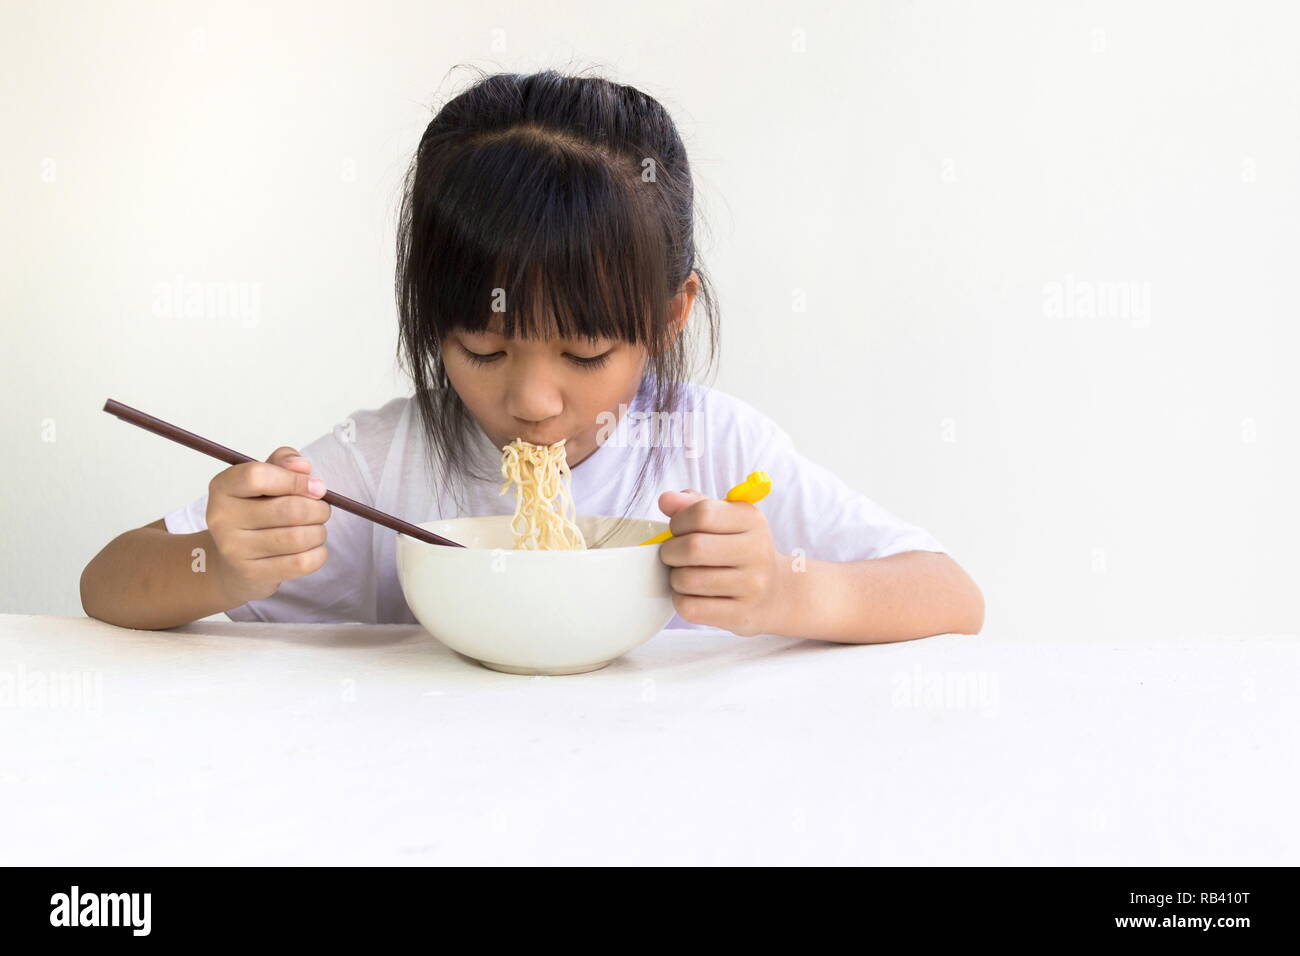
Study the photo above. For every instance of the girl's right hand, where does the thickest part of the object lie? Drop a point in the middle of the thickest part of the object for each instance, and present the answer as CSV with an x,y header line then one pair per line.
x,y
268,524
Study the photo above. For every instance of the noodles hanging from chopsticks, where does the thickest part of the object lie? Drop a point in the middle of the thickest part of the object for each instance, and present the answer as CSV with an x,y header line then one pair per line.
x,y
545,517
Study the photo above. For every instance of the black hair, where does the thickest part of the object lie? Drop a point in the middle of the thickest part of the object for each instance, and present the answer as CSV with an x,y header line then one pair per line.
x,y
573,197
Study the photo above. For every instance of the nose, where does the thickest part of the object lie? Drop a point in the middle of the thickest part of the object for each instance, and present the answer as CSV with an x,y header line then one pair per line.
x,y
533,398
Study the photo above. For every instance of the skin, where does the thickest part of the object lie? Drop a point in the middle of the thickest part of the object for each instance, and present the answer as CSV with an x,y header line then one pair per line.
x,y
725,569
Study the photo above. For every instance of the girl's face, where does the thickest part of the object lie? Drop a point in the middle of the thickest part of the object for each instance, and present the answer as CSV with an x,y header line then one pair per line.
x,y
542,390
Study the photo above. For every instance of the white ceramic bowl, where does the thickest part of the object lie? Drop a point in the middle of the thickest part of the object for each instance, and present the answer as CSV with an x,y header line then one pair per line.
x,y
537,612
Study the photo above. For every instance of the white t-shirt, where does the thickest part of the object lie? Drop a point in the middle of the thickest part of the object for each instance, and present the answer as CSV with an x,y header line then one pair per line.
x,y
379,457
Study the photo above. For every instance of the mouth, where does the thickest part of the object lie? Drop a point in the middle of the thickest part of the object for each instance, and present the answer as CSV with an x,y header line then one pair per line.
x,y
534,440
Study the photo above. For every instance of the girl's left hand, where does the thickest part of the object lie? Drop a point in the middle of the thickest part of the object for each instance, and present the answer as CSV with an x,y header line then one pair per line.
x,y
725,570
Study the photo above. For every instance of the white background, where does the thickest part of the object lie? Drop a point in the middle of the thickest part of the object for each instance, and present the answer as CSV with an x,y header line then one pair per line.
x,y
924,176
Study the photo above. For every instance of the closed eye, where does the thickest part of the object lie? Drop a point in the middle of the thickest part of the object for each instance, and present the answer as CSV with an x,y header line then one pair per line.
x,y
592,361
479,358
582,361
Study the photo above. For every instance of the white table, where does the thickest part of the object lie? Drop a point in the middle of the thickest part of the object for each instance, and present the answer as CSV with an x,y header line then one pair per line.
x,y
231,743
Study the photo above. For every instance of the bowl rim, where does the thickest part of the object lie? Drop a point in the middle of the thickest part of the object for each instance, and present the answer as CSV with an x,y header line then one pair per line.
x,y
621,547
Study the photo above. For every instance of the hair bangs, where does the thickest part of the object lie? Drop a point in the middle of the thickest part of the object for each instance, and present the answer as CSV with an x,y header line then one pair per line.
x,y
562,246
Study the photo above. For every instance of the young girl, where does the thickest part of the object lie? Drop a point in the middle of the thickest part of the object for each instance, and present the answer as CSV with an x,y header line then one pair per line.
x,y
547,281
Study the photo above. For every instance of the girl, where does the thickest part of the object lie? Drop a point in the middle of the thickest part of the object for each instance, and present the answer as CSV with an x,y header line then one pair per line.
x,y
547,284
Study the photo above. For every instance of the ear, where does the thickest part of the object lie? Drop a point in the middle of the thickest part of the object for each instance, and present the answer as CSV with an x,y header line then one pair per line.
x,y
682,304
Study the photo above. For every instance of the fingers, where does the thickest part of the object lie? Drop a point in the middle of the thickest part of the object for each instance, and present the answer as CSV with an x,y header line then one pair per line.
x,y
282,511
694,549
268,522
721,612
275,542
708,581
671,502
255,479
290,458
713,516
287,567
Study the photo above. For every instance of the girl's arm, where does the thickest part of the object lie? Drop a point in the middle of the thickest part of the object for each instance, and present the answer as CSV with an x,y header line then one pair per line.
x,y
725,572
898,598
266,525
147,578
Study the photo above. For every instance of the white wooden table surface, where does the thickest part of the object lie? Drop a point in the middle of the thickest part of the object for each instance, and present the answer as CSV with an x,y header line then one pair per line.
x,y
232,743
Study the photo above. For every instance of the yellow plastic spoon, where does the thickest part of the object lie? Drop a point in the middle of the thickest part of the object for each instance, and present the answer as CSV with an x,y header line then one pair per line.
x,y
753,489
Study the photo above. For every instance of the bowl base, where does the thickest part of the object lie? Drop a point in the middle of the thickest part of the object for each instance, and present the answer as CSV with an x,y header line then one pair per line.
x,y
543,671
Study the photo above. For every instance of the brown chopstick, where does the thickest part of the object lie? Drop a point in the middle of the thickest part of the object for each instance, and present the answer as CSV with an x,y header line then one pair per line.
x,y
231,457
